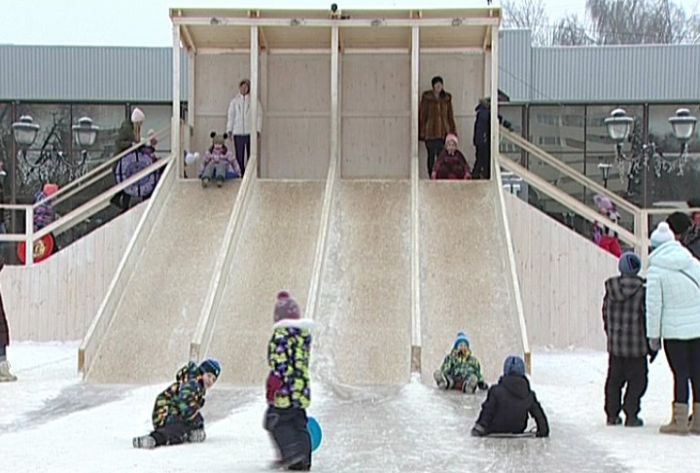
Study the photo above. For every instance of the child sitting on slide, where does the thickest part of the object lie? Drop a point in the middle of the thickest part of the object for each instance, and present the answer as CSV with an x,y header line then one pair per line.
x,y
509,403
176,417
460,370
219,163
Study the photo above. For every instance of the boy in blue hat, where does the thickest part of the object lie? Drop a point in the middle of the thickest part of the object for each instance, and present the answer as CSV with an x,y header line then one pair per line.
x,y
176,417
509,403
460,370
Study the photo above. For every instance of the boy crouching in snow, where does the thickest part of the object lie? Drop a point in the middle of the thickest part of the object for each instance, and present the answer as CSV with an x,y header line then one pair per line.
x,y
624,321
288,385
176,417
460,370
509,403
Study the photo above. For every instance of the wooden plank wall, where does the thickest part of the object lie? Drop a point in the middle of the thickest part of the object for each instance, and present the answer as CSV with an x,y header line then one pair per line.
x,y
561,279
376,115
297,103
57,299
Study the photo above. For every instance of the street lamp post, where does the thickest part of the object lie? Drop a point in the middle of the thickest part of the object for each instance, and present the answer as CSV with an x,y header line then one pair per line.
x,y
619,126
85,135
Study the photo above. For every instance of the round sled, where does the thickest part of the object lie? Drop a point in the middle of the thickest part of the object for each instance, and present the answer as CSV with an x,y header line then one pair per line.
x,y
43,248
315,433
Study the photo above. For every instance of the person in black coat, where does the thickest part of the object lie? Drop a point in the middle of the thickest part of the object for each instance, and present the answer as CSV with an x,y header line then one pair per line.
x,y
509,403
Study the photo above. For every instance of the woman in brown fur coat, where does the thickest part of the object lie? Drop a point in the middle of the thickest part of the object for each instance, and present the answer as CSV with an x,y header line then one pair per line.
x,y
435,120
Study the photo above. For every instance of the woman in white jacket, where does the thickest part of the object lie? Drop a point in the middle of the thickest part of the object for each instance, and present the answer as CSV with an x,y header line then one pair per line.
x,y
240,123
673,315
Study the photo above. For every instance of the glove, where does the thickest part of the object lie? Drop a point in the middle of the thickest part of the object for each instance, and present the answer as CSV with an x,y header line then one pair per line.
x,y
482,386
655,344
478,431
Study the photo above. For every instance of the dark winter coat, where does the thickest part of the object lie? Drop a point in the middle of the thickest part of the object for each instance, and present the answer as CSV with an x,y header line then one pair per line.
x,y
182,400
508,405
451,166
435,116
691,240
624,316
482,126
4,327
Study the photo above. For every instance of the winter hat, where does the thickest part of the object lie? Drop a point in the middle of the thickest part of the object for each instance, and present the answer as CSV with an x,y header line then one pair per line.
x,y
678,222
151,137
218,139
286,307
50,189
435,80
210,366
137,115
514,365
452,137
661,235
461,338
629,263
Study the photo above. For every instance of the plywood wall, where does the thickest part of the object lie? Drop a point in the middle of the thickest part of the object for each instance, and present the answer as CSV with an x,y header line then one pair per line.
x,y
297,102
561,279
376,114
216,83
57,299
463,76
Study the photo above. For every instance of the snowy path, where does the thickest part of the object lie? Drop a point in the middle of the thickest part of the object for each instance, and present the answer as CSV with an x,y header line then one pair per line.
x,y
49,421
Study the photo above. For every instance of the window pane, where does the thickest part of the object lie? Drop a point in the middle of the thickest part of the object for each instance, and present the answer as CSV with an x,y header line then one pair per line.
x,y
557,128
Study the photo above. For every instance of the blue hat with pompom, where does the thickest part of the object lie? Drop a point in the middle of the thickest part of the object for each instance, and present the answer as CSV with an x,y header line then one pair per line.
x,y
461,339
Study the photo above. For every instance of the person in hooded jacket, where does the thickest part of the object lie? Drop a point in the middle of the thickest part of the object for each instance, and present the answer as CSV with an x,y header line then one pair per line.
x,y
624,324
673,316
509,403
460,369
176,414
289,385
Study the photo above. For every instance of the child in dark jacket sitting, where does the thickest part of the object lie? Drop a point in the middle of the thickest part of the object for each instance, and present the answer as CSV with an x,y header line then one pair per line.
x,y
460,370
176,417
509,403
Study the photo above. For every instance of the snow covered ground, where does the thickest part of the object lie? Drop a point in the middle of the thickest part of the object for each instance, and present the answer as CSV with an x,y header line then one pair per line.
x,y
51,422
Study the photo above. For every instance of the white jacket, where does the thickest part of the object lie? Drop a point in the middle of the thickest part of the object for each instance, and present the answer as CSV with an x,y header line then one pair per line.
x,y
240,116
673,295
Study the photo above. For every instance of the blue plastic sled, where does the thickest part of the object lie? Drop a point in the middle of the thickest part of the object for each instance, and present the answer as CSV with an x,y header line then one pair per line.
x,y
315,433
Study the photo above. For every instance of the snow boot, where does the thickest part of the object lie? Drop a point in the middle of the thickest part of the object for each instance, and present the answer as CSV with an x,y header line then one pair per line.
x,y
5,375
145,441
695,424
633,422
196,436
219,182
614,421
205,182
440,379
469,385
679,421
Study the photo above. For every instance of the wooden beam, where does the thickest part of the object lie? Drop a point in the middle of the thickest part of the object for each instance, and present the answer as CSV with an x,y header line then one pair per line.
x,y
189,42
191,98
487,38
335,115
175,125
348,23
415,207
263,40
493,93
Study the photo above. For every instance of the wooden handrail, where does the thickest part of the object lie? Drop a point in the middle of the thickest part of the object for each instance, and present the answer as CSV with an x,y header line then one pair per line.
x,y
91,206
60,196
567,170
568,201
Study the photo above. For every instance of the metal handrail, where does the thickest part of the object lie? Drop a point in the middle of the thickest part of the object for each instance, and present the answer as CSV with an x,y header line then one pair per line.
x,y
63,193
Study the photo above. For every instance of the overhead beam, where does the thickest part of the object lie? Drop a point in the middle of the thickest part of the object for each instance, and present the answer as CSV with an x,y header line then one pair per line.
x,y
254,79
487,38
263,40
175,125
187,36
349,23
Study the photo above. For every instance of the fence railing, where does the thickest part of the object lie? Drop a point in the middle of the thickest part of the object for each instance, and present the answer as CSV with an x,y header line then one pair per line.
x,y
637,238
30,237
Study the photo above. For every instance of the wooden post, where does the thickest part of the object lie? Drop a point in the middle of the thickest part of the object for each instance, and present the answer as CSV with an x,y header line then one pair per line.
x,y
494,100
29,231
335,58
191,76
415,208
254,75
175,124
